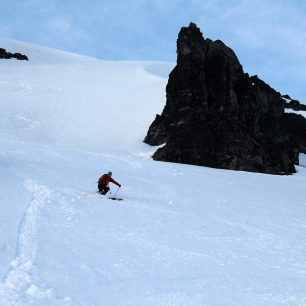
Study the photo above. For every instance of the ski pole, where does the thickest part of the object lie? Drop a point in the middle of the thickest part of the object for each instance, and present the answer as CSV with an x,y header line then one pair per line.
x,y
116,192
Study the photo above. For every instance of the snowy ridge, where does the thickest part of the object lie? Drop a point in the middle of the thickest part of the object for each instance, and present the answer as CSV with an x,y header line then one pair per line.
x,y
37,99
41,55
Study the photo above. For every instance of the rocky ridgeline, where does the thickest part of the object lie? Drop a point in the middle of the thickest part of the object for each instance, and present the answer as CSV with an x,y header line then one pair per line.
x,y
293,104
218,116
7,55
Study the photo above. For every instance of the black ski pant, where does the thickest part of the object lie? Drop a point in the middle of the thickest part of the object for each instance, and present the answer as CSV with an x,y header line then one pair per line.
x,y
103,189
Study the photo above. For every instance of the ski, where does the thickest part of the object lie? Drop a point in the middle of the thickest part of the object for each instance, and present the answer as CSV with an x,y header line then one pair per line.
x,y
114,198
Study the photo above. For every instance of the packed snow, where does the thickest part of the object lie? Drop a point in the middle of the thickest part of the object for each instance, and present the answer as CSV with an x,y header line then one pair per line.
x,y
183,235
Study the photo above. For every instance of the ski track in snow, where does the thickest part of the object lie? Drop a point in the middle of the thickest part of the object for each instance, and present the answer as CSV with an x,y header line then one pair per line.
x,y
18,286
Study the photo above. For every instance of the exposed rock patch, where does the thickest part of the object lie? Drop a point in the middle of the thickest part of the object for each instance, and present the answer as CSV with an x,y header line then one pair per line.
x,y
8,55
218,116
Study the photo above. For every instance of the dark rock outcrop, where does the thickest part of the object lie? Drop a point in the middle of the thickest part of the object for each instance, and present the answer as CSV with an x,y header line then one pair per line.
x,y
218,116
7,55
295,126
294,123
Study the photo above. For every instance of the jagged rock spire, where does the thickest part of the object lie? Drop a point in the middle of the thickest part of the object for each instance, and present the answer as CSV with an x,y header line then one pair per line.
x,y
218,116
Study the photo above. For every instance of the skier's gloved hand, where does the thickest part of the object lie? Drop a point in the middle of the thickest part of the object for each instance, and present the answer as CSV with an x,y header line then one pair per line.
x,y
119,185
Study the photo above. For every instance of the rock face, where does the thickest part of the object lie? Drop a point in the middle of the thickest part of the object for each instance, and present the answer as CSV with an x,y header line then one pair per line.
x,y
295,125
218,116
8,55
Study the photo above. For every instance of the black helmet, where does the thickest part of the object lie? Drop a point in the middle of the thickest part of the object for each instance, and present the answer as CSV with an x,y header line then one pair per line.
x,y
109,173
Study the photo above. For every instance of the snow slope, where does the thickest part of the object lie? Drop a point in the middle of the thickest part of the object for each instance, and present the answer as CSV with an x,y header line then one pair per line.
x,y
183,235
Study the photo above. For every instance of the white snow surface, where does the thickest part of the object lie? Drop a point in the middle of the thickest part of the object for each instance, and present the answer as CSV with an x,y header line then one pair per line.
x,y
289,110
183,235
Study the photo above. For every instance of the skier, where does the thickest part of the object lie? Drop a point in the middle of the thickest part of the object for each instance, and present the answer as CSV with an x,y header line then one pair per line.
x,y
103,182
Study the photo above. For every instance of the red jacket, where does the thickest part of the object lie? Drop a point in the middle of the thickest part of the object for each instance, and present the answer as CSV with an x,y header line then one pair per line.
x,y
105,179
